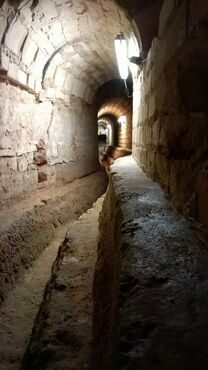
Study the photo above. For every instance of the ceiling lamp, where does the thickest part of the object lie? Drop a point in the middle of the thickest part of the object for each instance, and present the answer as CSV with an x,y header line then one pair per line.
x,y
121,55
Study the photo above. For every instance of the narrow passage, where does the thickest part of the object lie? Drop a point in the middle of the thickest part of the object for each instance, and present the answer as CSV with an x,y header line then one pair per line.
x,y
62,333
19,310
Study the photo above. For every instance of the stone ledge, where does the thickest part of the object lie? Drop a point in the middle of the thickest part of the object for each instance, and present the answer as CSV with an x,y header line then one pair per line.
x,y
162,294
28,227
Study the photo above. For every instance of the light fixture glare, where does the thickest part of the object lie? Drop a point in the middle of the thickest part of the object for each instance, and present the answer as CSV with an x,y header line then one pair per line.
x,y
121,55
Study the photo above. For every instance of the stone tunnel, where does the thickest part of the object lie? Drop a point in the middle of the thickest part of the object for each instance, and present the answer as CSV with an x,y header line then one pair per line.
x,y
103,185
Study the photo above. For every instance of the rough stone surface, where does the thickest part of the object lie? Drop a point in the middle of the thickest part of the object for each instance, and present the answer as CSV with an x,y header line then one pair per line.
x,y
170,126
27,227
60,138
160,291
62,335
62,39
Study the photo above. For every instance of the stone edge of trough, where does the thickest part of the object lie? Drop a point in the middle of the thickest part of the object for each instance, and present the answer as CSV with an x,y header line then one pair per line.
x,y
28,235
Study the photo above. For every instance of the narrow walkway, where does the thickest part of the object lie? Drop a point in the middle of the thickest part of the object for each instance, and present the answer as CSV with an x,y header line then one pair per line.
x,y
19,310
62,334
163,293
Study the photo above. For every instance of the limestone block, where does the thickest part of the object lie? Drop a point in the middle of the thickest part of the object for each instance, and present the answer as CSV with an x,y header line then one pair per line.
x,y
68,83
39,37
15,36
143,156
55,34
194,141
49,76
49,93
4,60
40,61
12,164
172,40
26,16
148,133
67,98
13,71
8,165
149,61
161,93
29,51
22,77
57,59
166,10
171,99
7,153
3,24
31,81
172,128
60,77
49,47
144,112
78,88
181,182
3,165
162,169
156,132
5,142
176,33
59,94
22,163
151,106
38,84
135,118
139,115
25,148
147,85
150,164
89,94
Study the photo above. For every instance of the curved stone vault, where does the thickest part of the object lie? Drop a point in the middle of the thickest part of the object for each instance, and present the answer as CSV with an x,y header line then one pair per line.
x,y
62,47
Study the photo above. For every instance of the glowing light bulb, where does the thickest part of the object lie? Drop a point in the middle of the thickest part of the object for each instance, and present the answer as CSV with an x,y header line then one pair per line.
x,y
121,55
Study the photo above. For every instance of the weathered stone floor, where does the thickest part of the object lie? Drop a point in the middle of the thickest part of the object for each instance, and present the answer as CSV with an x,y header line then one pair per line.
x,y
62,333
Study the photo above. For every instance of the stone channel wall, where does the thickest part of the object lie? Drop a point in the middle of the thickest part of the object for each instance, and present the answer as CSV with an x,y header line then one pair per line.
x,y
150,287
170,122
26,230
43,143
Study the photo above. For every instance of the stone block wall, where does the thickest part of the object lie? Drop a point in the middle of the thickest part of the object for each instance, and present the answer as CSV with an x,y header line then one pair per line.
x,y
43,143
170,111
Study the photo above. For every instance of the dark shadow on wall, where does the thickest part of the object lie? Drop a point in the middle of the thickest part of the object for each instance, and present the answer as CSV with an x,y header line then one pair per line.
x,y
113,89
16,3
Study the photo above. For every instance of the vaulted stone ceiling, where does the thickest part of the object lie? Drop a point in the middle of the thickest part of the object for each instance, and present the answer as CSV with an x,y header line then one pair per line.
x,y
61,48
115,106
